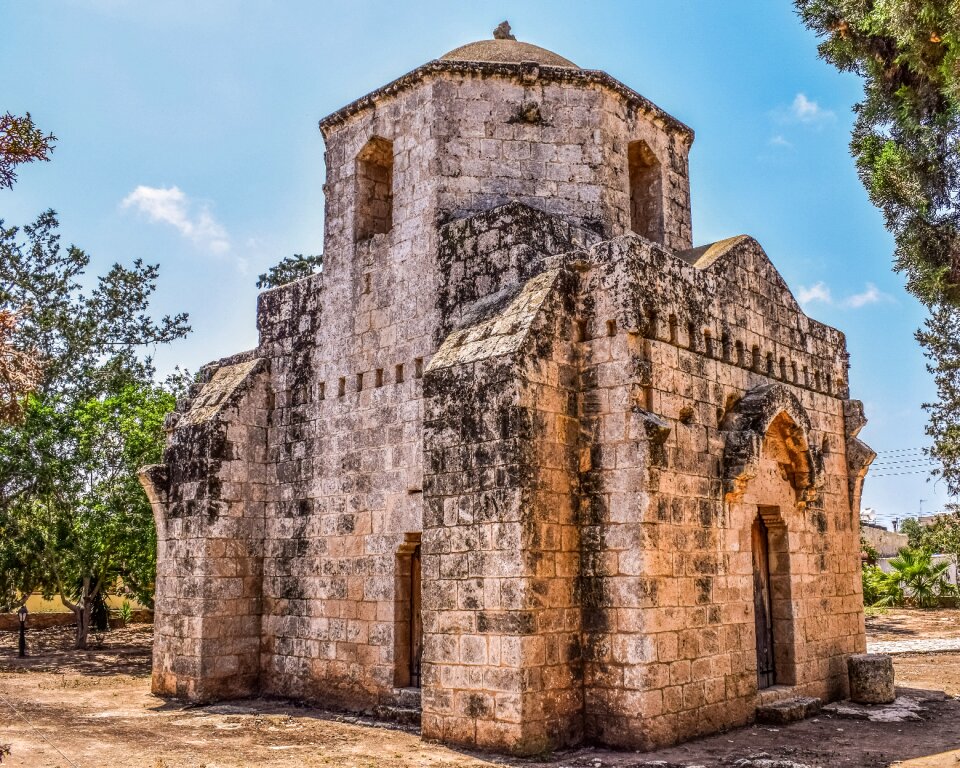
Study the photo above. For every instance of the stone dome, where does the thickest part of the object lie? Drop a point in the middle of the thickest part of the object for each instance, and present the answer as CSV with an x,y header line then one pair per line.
x,y
507,52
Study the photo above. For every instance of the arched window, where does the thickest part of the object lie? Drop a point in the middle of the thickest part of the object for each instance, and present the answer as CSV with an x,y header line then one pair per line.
x,y
646,192
374,201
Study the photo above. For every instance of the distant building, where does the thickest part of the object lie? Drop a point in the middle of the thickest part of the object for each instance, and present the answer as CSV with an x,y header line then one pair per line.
x,y
887,543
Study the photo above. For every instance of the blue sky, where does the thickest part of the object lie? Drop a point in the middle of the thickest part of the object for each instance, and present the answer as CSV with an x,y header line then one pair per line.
x,y
188,137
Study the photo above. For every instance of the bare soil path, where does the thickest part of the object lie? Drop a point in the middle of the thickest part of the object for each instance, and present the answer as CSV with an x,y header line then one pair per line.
x,y
93,709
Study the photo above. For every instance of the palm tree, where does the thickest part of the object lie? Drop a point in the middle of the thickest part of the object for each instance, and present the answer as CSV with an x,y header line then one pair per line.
x,y
914,579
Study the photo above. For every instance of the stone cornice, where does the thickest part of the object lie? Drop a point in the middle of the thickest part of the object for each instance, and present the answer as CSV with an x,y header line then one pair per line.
x,y
526,72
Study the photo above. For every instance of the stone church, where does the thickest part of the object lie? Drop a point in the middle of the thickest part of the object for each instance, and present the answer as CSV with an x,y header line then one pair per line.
x,y
521,454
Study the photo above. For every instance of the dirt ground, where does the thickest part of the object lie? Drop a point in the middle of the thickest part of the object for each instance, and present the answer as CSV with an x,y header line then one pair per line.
x,y
93,709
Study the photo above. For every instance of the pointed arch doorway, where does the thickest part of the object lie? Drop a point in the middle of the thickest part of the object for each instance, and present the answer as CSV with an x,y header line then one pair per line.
x,y
771,475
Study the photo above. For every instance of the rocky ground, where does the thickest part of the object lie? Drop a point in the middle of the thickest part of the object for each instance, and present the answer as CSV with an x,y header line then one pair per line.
x,y
93,709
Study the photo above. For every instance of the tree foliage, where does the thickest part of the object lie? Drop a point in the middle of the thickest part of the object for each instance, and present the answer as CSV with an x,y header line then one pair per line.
x,y
914,579
289,269
940,338
20,368
905,138
73,518
21,142
906,144
941,535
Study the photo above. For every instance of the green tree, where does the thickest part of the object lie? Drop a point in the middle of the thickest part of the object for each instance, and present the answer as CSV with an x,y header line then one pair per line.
x,y
72,515
20,369
914,579
289,269
941,535
905,138
912,529
940,339
906,144
21,142
104,533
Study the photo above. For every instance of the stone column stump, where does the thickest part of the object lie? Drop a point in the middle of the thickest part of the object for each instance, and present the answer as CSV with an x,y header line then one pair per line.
x,y
871,678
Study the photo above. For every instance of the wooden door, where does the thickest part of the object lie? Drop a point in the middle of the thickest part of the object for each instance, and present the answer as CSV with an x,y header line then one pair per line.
x,y
763,604
416,622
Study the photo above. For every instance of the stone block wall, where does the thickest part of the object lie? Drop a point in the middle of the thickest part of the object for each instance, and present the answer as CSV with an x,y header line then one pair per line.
x,y
208,500
501,541
669,639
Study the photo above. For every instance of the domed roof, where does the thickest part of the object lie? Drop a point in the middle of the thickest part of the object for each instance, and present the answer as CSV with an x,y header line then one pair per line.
x,y
505,49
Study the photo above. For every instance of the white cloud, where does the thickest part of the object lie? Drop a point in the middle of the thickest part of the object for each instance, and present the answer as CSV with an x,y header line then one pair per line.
x,y
870,295
816,292
803,110
192,219
821,292
780,141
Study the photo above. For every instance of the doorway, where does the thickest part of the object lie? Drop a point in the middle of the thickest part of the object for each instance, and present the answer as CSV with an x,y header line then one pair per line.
x,y
408,622
763,604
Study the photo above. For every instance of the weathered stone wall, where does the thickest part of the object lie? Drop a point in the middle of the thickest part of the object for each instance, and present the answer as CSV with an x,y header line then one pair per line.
x,y
515,137
887,543
665,488
208,500
501,615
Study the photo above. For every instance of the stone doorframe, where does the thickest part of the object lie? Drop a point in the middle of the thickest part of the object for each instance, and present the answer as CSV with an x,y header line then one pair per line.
x,y
407,624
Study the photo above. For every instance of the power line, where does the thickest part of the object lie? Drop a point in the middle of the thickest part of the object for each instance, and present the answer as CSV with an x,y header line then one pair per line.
x,y
37,730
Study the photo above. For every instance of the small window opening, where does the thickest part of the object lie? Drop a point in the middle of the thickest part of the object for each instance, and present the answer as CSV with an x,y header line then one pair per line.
x,y
691,336
741,354
708,343
672,322
398,374
418,368
646,192
378,379
816,380
769,363
374,193
725,347
611,327
341,387
755,361
580,330
321,391
783,368
806,376
829,384
651,329
359,382
794,375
